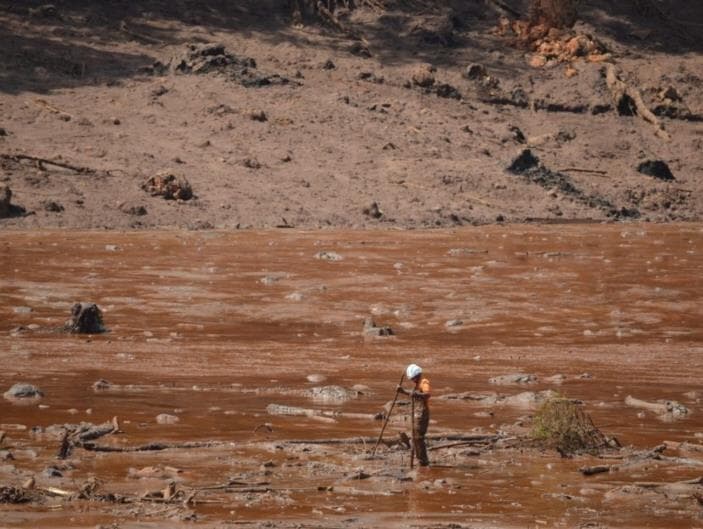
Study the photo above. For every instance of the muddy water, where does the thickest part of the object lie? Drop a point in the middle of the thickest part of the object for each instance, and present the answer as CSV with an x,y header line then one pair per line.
x,y
212,327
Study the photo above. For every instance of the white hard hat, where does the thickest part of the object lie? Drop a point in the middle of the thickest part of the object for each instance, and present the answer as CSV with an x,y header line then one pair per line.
x,y
412,371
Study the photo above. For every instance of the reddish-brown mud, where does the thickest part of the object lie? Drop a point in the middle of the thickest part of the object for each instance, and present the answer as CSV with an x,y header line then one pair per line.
x,y
212,327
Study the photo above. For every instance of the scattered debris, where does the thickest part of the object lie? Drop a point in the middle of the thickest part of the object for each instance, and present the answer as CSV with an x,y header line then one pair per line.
x,y
168,186
214,58
86,318
528,165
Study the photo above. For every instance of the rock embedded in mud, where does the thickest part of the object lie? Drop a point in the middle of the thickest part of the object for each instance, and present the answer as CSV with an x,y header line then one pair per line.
x,y
86,318
657,169
328,256
168,186
101,385
23,392
373,211
371,329
165,418
514,378
333,394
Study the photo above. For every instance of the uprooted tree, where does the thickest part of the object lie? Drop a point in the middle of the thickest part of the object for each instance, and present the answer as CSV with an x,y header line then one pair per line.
x,y
561,424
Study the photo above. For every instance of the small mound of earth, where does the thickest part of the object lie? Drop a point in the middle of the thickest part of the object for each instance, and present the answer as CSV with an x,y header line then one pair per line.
x,y
333,394
23,393
168,186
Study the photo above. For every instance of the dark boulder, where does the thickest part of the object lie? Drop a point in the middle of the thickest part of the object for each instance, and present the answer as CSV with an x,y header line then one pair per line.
x,y
657,169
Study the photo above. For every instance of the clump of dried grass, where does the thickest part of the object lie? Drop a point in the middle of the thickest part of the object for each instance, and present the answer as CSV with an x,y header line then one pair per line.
x,y
561,424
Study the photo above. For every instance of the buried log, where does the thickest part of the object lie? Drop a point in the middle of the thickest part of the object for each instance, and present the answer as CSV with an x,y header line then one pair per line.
x,y
294,411
153,447
668,409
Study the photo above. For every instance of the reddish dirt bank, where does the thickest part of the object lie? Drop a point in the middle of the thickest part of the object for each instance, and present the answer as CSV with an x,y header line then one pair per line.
x,y
303,126
212,328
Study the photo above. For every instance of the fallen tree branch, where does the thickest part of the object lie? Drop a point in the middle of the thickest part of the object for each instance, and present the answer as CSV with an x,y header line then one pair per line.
x,y
577,170
44,161
626,97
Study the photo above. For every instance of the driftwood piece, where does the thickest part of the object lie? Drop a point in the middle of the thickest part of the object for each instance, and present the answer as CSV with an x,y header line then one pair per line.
x,y
629,101
77,435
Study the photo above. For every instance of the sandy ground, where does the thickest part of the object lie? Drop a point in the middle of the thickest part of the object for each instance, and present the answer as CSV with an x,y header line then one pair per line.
x,y
79,86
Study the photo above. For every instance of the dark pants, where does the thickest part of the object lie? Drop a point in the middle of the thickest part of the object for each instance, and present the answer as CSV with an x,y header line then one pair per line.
x,y
422,421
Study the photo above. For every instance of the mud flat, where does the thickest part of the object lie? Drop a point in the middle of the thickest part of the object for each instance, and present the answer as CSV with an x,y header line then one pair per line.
x,y
246,390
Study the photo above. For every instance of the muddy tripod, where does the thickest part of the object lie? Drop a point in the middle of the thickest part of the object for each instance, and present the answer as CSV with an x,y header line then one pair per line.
x,y
385,423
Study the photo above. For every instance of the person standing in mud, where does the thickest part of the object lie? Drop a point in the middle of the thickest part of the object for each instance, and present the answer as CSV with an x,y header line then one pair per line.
x,y
421,396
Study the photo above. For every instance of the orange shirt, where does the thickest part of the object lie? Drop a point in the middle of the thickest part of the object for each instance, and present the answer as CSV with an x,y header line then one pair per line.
x,y
423,385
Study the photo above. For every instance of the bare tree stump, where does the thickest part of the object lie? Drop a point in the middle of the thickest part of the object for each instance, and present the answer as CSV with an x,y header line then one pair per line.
x,y
86,318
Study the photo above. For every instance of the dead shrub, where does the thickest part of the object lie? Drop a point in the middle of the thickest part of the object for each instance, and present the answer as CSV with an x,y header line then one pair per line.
x,y
554,13
561,424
